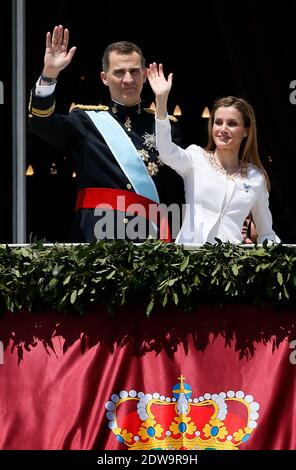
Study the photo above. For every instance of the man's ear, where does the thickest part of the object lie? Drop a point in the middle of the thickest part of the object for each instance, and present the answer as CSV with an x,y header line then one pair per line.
x,y
144,75
104,78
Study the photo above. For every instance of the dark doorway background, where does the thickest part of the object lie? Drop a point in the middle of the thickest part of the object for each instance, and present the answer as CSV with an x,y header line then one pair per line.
x,y
223,49
5,125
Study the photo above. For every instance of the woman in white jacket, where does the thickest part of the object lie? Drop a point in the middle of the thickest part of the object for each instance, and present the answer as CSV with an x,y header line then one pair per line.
x,y
223,182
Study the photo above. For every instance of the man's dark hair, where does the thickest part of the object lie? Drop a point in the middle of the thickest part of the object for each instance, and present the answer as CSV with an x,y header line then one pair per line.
x,y
122,47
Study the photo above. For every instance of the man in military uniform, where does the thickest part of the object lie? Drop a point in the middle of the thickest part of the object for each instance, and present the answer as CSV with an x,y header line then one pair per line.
x,y
123,187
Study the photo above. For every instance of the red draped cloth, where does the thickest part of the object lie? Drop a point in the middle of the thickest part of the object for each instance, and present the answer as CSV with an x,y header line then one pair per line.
x,y
218,377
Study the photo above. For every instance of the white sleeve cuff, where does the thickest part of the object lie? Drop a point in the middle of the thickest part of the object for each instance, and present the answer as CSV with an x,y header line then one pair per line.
x,y
166,120
44,90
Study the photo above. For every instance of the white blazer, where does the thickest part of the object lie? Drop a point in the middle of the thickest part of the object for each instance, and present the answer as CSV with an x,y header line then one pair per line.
x,y
216,205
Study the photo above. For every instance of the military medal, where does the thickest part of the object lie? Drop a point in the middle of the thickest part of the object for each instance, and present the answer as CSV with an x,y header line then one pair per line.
x,y
152,167
128,124
149,141
114,109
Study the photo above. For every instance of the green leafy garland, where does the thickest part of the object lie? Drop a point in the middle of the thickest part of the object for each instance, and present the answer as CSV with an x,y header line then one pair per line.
x,y
75,278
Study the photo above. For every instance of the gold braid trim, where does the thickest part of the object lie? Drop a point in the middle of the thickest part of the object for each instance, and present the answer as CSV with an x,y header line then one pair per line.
x,y
90,107
42,112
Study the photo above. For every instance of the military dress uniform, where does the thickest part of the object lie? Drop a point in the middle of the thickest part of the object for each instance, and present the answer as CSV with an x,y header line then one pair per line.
x,y
99,175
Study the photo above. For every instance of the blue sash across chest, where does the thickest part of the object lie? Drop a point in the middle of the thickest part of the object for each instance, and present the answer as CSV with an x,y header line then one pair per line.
x,y
125,154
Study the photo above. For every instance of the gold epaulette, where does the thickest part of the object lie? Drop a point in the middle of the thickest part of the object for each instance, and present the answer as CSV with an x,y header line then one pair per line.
x,y
172,118
152,111
89,107
149,110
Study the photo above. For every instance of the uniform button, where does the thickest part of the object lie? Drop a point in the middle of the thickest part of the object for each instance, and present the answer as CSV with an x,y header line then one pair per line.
x,y
125,221
129,186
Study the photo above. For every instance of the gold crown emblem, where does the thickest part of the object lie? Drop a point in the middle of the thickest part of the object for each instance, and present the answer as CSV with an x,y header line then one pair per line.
x,y
145,421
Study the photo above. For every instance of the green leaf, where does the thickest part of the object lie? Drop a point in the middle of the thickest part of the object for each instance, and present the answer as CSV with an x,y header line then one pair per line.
x,y
73,296
279,278
53,282
9,304
57,269
112,274
26,253
67,279
228,286
234,268
184,264
286,293
185,289
150,307
175,298
196,280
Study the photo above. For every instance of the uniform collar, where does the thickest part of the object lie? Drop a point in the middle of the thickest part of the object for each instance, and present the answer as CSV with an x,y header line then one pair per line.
x,y
121,111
